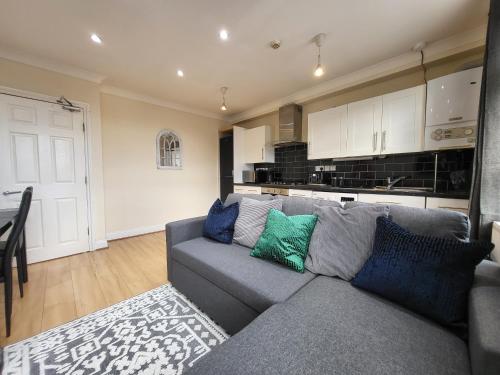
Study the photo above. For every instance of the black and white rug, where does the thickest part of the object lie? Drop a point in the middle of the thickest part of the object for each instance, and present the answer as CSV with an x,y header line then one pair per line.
x,y
157,332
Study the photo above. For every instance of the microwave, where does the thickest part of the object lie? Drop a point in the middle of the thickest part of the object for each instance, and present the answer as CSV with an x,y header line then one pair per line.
x,y
248,176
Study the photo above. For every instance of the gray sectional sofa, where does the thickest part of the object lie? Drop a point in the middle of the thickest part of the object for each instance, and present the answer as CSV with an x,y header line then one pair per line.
x,y
284,322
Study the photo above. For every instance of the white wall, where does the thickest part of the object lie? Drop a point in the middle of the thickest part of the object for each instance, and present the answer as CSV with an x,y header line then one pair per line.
x,y
129,194
41,81
139,197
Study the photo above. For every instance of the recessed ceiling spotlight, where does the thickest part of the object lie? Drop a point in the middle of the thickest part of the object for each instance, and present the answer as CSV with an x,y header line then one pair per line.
x,y
96,39
180,73
318,40
223,34
223,106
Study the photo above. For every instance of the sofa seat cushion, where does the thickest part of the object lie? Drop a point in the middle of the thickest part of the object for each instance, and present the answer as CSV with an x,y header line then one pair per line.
x,y
330,327
256,282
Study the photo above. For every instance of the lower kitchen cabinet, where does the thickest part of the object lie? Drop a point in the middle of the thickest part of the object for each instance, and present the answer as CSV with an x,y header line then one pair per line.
x,y
460,205
300,193
240,189
337,197
403,200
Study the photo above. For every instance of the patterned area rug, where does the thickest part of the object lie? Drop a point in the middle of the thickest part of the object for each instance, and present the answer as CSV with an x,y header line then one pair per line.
x,y
157,332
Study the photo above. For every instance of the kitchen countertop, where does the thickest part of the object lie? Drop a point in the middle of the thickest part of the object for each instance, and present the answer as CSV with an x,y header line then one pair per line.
x,y
327,188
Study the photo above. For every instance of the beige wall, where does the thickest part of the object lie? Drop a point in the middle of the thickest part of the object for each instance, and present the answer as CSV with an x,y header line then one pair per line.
x,y
41,81
400,81
137,193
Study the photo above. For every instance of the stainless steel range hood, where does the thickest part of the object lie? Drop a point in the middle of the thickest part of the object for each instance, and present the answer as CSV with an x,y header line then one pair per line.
x,y
290,126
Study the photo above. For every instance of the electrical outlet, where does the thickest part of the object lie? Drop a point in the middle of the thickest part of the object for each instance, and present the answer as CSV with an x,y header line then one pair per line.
x,y
330,168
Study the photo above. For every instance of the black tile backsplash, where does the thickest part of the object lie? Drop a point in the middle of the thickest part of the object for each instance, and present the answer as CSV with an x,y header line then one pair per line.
x,y
454,169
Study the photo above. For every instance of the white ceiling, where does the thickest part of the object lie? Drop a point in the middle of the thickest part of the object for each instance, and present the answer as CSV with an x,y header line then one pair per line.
x,y
146,41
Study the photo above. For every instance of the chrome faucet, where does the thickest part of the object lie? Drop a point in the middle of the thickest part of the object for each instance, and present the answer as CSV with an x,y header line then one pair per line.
x,y
391,183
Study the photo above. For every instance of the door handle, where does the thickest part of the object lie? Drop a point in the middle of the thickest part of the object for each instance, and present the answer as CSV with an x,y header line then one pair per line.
x,y
7,192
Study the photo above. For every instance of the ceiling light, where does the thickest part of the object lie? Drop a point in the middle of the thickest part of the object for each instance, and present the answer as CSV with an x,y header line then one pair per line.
x,y
318,40
223,106
223,34
96,39
180,73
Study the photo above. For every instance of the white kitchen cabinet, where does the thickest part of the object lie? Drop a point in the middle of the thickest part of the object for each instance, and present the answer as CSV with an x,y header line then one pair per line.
x,y
403,121
242,189
403,200
454,98
364,126
334,196
258,145
239,164
300,193
327,133
460,205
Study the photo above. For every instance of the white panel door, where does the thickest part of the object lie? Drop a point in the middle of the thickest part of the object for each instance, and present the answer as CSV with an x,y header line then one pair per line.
x,y
364,119
42,145
403,121
327,133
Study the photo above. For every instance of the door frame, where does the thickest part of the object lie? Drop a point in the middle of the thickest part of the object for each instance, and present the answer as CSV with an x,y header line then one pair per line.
x,y
85,107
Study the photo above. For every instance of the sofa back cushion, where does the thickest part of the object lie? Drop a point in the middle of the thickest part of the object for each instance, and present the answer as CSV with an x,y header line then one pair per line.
x,y
303,206
428,221
236,197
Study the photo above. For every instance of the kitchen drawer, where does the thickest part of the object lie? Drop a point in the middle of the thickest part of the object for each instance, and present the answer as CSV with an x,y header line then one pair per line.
x,y
460,205
247,189
300,193
403,200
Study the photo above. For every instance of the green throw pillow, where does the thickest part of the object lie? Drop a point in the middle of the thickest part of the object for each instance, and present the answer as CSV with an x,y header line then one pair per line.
x,y
285,239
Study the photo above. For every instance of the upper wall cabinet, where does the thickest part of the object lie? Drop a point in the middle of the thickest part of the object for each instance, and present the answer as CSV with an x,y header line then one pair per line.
x,y
388,124
258,145
454,98
403,121
327,133
364,126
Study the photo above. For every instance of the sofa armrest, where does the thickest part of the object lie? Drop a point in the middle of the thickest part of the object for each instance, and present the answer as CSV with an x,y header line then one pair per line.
x,y
180,231
484,320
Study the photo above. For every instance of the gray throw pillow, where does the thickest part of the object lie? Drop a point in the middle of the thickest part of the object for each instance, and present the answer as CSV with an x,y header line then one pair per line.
x,y
251,220
343,240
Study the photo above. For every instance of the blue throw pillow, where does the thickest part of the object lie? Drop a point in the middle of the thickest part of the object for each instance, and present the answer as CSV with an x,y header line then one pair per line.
x,y
219,224
431,276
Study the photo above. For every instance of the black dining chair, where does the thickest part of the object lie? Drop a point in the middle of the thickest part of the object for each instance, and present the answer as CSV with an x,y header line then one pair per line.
x,y
8,253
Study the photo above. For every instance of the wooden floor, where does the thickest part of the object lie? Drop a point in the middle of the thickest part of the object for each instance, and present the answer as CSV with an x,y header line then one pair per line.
x,y
64,289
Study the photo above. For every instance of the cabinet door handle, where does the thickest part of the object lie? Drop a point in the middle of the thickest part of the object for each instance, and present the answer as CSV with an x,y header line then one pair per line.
x,y
375,141
262,152
455,118
388,202
383,140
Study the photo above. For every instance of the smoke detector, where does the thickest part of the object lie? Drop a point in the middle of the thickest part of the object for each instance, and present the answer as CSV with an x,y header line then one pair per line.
x,y
275,44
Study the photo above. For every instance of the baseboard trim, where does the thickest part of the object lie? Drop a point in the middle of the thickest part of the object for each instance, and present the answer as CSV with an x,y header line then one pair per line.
x,y
134,232
100,244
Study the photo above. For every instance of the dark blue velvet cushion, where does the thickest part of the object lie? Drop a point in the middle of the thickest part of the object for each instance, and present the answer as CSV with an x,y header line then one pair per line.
x,y
219,224
431,276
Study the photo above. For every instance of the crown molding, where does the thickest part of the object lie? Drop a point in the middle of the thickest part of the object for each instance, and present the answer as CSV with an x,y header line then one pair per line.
x,y
51,65
116,91
434,51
